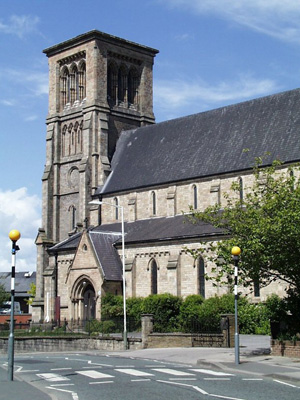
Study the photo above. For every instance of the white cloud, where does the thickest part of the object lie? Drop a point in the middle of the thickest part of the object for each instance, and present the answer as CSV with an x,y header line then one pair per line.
x,y
8,103
19,210
276,18
20,25
177,94
31,118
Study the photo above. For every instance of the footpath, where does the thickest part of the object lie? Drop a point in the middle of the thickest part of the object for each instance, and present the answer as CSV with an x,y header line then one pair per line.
x,y
255,359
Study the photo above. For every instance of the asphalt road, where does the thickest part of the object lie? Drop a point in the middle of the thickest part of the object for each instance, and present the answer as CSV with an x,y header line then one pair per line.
x,y
78,376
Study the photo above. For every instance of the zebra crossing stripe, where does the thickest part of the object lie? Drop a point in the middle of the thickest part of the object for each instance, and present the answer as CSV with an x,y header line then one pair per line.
x,y
173,372
210,372
134,372
53,377
94,374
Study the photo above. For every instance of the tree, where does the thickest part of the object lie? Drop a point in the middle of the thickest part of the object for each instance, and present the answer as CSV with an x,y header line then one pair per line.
x,y
3,295
264,223
32,293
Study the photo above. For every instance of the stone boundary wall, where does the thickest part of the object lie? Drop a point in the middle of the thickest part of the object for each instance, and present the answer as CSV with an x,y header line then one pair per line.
x,y
285,348
164,340
56,344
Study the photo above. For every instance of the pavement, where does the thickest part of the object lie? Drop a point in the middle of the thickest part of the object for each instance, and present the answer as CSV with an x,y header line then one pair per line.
x,y
255,359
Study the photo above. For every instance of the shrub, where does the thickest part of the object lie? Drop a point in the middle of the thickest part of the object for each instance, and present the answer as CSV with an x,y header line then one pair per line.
x,y
111,306
165,309
189,312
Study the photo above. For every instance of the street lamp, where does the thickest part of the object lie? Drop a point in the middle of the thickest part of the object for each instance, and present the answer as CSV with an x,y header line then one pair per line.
x,y
98,202
236,251
14,236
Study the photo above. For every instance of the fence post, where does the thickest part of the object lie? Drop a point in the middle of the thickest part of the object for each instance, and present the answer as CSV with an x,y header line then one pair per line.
x,y
227,327
147,328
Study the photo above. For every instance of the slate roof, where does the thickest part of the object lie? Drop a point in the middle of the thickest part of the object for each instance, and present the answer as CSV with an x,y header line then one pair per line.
x,y
206,144
22,282
105,236
161,229
107,254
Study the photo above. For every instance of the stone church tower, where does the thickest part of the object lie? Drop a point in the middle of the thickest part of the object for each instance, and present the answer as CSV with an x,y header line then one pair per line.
x,y
99,85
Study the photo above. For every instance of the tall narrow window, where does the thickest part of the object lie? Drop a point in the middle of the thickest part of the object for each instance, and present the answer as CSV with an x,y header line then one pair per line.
x,y
73,85
72,211
201,277
122,85
241,189
112,84
64,141
133,85
153,269
81,82
116,204
153,201
195,197
64,87
256,287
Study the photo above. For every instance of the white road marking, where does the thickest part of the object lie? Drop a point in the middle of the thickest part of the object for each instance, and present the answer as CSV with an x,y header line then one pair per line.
x,y
94,374
102,365
173,372
287,384
53,377
224,397
185,384
211,372
140,380
74,395
200,390
134,372
59,369
216,379
63,384
100,383
183,379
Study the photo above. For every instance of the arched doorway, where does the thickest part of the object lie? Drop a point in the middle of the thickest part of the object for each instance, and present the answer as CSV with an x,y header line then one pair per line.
x,y
89,302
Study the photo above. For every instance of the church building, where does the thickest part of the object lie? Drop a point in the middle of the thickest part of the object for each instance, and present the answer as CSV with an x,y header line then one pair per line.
x,y
102,144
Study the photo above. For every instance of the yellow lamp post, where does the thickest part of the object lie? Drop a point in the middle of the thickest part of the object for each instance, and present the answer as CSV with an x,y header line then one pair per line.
x,y
236,251
14,236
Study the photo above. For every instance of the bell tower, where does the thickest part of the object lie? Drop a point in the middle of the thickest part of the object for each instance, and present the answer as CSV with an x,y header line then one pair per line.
x,y
99,85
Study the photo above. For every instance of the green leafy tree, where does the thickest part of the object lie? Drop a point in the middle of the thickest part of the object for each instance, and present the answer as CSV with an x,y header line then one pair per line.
x,y
32,293
3,295
264,223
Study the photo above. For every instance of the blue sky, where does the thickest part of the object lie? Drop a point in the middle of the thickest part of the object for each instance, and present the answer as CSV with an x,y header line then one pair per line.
x,y
212,53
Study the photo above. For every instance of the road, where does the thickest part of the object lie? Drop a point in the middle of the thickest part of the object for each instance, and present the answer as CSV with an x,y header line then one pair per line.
x,y
79,376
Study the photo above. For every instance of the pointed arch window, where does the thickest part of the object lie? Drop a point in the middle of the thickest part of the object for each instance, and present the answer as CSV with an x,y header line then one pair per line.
x,y
122,85
81,82
64,87
73,84
195,197
153,203
241,189
116,208
256,287
133,85
201,277
153,270
73,222
112,84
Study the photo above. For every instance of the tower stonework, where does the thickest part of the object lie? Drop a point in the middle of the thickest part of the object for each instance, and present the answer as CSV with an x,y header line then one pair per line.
x,y
99,85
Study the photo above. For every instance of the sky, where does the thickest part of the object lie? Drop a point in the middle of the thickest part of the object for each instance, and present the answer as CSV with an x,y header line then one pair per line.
x,y
212,53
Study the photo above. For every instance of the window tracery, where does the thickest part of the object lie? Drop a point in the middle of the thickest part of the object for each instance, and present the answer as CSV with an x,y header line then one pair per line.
x,y
71,140
72,84
122,85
